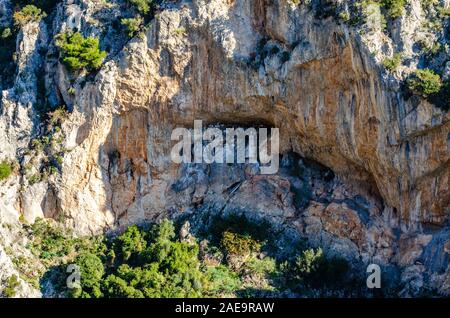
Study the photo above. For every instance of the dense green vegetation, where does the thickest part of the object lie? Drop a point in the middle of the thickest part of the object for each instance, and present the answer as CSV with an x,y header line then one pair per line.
x,y
143,6
391,64
132,25
424,83
394,7
6,168
151,261
27,14
78,52
11,286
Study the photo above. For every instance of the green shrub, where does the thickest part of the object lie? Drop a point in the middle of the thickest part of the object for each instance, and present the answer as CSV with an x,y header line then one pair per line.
x,y
132,25
57,116
118,287
78,52
151,262
29,13
71,90
427,3
444,12
239,244
429,49
51,170
49,242
311,269
91,273
222,280
146,263
131,242
143,6
11,285
266,265
238,223
6,33
424,83
35,178
344,16
391,64
308,261
394,8
6,168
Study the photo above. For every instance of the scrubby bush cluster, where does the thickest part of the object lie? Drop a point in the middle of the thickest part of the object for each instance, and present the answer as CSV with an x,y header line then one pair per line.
x,y
27,14
391,64
394,8
424,83
132,25
151,261
11,285
6,168
143,6
78,52
142,263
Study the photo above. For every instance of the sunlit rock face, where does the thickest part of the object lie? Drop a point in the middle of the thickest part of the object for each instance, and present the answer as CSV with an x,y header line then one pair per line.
x,y
374,186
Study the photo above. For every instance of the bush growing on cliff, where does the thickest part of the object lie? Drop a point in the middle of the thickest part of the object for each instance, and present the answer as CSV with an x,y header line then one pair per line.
x,y
29,13
238,244
50,242
11,286
143,6
78,52
6,33
57,116
151,261
221,280
394,8
311,269
391,64
6,169
132,25
424,83
308,261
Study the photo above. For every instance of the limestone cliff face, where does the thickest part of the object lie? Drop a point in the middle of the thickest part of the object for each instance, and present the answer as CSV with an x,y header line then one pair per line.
x,y
322,89
384,196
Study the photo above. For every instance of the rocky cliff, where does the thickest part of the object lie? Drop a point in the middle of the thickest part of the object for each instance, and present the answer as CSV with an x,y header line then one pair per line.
x,y
364,169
